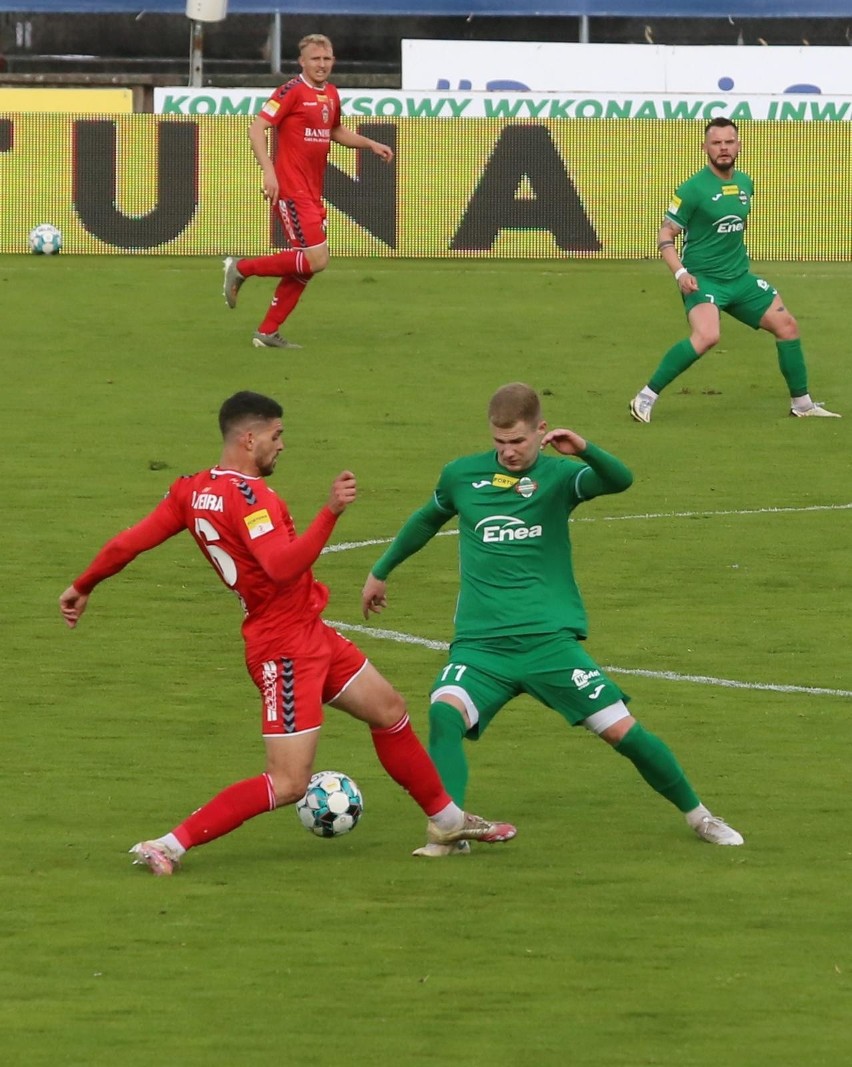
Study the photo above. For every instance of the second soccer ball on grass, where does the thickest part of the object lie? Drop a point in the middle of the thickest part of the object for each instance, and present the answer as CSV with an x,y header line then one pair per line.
x,y
45,240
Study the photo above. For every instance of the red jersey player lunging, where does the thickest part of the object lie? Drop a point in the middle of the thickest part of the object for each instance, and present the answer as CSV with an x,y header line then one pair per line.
x,y
297,662
305,113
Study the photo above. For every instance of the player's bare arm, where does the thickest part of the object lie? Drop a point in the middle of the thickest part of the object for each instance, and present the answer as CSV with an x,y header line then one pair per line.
x,y
343,492
566,442
373,596
349,139
669,254
72,604
260,147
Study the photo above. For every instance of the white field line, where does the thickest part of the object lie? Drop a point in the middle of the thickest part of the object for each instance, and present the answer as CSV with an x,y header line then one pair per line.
x,y
668,676
345,546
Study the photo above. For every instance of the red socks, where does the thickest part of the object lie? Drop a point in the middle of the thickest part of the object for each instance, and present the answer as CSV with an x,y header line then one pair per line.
x,y
407,762
294,270
226,811
398,748
287,294
279,265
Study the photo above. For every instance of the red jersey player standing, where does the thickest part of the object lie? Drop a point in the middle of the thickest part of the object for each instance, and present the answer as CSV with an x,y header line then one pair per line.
x,y
297,661
305,113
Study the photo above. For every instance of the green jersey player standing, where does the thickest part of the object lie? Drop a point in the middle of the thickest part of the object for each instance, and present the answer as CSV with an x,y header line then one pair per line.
x,y
710,209
520,617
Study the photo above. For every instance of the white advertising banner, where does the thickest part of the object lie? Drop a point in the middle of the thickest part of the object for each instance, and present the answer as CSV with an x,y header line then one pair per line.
x,y
380,103
500,66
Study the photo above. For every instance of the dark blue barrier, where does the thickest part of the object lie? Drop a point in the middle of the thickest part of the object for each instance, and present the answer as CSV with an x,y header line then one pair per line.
x,y
461,8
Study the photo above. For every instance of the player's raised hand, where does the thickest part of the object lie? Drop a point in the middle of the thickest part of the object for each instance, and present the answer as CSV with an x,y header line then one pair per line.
x,y
373,596
564,441
72,604
343,492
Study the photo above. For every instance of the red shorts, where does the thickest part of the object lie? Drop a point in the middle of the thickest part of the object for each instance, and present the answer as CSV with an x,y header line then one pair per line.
x,y
303,222
293,690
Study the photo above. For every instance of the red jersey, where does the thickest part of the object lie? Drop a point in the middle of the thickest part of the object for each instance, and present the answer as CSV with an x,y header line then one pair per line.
x,y
245,530
304,118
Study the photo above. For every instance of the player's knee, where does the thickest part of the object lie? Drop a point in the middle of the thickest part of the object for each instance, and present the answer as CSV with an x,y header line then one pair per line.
x,y
388,711
318,259
787,328
704,340
288,788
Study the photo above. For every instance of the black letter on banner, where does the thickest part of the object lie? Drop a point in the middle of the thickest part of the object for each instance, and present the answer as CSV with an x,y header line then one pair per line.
x,y
370,197
6,130
525,152
95,190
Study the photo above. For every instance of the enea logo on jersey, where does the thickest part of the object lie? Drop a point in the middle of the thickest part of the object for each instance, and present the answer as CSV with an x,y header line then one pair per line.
x,y
270,108
730,224
497,529
674,206
258,523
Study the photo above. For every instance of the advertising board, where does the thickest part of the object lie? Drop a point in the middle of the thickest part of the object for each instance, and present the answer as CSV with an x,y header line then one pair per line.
x,y
385,103
522,189
501,66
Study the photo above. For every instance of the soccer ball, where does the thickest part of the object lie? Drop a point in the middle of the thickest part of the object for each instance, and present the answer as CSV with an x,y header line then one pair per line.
x,y
331,806
45,240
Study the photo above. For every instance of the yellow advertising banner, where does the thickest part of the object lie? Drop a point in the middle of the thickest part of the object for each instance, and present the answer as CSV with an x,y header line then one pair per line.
x,y
68,101
478,187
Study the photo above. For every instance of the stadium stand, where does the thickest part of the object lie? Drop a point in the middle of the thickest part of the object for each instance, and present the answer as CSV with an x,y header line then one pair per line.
x,y
93,41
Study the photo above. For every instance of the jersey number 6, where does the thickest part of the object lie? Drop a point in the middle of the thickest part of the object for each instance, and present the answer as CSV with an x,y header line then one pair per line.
x,y
218,556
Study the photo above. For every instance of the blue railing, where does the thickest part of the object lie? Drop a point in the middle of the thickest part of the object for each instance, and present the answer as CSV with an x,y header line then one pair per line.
x,y
461,8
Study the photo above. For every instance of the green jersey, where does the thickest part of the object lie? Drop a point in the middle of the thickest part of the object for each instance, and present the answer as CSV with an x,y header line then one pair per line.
x,y
712,212
516,574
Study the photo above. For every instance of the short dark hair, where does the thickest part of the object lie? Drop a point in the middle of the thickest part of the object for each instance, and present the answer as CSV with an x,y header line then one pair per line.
x,y
246,405
515,402
719,123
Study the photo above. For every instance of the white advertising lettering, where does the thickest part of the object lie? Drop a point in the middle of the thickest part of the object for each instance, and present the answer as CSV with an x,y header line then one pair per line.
x,y
499,528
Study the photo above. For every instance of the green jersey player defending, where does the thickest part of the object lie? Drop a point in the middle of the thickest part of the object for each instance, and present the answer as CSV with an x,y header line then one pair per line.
x,y
711,209
520,617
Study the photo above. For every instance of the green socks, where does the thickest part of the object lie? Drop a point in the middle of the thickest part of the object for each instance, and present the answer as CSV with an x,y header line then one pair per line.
x,y
791,361
654,760
678,358
446,733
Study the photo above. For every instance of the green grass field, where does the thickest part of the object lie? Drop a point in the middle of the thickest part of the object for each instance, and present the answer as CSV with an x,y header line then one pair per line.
x,y
605,935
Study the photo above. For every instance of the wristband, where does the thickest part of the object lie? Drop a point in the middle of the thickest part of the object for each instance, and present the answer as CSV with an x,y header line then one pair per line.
x,y
680,273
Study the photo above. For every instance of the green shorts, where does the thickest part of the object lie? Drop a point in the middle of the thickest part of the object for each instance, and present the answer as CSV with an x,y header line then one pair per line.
x,y
553,668
746,298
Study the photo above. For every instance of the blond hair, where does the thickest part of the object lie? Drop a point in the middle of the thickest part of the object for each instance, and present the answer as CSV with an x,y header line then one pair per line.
x,y
515,402
315,38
